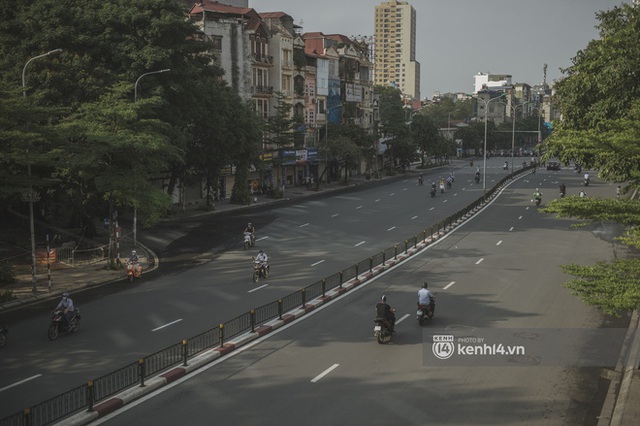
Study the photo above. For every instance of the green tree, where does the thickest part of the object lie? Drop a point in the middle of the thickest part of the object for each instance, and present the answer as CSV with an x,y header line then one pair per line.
x,y
598,99
426,136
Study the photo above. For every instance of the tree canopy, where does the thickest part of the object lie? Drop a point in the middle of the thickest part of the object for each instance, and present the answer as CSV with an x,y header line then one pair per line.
x,y
599,102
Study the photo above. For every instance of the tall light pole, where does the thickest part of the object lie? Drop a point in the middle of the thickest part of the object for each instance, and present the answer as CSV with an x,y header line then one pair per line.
x,y
486,114
135,99
513,131
32,196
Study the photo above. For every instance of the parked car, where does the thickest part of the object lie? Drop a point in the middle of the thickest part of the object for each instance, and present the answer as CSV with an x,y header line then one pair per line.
x,y
553,165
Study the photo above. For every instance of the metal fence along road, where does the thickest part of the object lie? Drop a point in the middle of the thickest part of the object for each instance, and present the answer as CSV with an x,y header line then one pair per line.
x,y
86,396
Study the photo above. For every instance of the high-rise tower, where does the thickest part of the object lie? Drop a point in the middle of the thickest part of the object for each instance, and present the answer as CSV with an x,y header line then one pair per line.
x,y
395,47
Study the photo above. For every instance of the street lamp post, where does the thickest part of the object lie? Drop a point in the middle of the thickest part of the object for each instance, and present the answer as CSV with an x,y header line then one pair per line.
x,y
513,131
135,99
32,196
486,113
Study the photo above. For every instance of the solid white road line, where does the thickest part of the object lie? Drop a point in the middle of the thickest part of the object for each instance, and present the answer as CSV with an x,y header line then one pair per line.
x,y
258,288
360,243
167,325
317,263
448,285
20,382
324,373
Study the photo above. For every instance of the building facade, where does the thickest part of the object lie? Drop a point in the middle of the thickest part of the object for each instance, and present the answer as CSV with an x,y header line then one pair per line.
x,y
395,47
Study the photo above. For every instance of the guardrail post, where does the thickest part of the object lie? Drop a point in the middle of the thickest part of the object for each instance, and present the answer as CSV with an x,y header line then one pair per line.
x,y
340,279
384,258
26,417
304,298
141,371
395,252
221,334
185,352
280,308
90,395
371,264
406,246
252,315
357,268
324,287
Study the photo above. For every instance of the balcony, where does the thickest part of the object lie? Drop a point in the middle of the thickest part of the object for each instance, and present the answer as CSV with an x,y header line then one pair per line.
x,y
262,90
263,59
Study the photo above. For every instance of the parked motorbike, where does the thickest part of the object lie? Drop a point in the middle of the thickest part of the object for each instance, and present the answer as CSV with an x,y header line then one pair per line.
x,y
382,330
134,270
4,335
260,270
249,240
426,312
59,325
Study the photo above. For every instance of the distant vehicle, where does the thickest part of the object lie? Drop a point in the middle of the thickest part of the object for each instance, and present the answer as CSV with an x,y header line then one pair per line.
x,y
553,165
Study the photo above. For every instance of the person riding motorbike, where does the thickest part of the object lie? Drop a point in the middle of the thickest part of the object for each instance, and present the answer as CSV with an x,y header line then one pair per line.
x,y
383,310
263,259
477,177
134,257
67,307
251,230
563,190
420,179
505,166
441,184
537,196
586,179
426,298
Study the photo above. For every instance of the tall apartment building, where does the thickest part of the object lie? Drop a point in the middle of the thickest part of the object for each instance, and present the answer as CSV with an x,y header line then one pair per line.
x,y
395,47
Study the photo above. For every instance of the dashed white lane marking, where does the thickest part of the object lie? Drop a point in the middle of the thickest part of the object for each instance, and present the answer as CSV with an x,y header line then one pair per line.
x,y
392,194
479,261
167,325
360,243
262,238
414,218
304,224
402,319
499,242
335,215
317,263
448,285
391,229
258,288
520,218
20,382
511,229
377,201
324,373
432,208
359,207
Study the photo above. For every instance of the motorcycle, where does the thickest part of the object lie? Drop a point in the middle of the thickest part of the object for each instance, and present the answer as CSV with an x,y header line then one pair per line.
x,y
382,330
59,325
260,270
586,182
134,270
249,240
426,312
4,335
537,200
477,178
420,181
433,192
505,166
442,188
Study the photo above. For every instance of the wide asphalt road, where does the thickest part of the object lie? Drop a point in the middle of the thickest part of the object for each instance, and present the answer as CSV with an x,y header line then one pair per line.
x,y
204,278
499,271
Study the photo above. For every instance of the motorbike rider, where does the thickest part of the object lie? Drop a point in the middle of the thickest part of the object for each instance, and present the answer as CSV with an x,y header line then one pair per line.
x,y
478,176
506,165
134,257
383,310
586,178
537,195
420,179
66,305
563,189
250,229
426,298
263,259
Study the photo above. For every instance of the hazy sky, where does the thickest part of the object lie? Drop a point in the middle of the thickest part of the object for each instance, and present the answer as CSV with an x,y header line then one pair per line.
x,y
456,39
